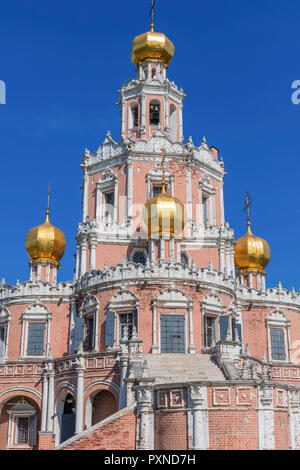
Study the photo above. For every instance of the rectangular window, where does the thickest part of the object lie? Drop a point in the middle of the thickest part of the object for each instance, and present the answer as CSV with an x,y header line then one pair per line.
x,y
172,333
2,341
35,345
90,333
109,199
210,332
278,346
22,431
125,321
205,210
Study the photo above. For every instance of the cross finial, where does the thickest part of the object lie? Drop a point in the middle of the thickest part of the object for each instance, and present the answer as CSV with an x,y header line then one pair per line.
x,y
248,204
48,203
151,14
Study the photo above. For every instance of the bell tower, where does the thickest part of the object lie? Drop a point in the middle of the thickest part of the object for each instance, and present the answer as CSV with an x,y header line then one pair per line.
x,y
151,102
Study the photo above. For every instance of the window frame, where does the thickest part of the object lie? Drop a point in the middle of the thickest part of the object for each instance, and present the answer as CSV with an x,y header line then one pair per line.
x,y
277,319
35,313
34,323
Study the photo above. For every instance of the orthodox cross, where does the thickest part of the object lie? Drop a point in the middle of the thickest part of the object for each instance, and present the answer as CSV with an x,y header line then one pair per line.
x,y
248,204
151,14
47,212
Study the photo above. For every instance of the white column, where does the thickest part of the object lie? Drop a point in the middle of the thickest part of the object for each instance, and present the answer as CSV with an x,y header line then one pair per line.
x,y
232,261
48,337
143,113
152,251
129,189
166,106
265,419
145,428
189,195
222,256
263,281
83,257
93,245
79,397
222,203
250,277
98,213
154,330
178,251
85,194
227,261
77,269
200,223
172,252
191,348
44,402
50,401
200,422
180,123
123,117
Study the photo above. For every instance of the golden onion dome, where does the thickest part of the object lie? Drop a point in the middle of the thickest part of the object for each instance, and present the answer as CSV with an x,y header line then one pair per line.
x,y
45,243
163,216
152,46
251,253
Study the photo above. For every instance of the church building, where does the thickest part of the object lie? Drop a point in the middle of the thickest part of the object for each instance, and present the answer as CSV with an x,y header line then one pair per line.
x,y
168,337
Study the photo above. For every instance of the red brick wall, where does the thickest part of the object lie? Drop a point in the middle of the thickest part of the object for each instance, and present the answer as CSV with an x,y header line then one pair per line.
x,y
119,434
171,431
233,430
281,430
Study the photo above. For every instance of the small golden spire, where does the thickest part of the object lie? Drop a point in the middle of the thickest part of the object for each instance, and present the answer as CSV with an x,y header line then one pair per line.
x,y
48,204
151,14
163,189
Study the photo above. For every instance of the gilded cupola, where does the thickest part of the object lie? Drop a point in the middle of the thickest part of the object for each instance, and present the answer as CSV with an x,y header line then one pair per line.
x,y
163,215
152,46
45,243
251,253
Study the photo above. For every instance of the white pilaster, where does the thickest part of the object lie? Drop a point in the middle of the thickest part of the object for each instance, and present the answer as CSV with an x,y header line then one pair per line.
x,y
83,257
145,428
191,348
50,412
266,439
44,402
200,422
155,349
79,397
85,194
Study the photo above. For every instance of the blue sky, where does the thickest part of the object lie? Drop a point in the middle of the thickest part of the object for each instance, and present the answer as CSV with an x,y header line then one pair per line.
x,y
63,63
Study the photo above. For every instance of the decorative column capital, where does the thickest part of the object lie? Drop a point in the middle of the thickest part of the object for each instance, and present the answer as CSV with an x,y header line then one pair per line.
x,y
197,396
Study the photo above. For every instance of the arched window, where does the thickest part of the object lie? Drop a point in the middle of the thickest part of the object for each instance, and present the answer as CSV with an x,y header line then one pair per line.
x,y
139,257
173,122
134,116
154,113
153,72
184,258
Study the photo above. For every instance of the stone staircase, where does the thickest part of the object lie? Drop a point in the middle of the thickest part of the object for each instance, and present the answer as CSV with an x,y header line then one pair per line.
x,y
171,368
